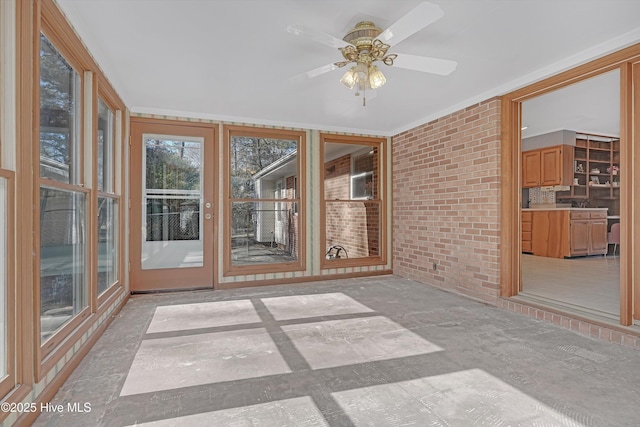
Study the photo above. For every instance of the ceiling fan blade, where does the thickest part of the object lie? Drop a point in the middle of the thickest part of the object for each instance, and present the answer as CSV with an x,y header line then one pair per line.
x,y
425,64
422,15
313,73
317,36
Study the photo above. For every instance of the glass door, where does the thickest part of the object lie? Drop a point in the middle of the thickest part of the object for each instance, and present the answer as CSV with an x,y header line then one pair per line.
x,y
172,202
172,173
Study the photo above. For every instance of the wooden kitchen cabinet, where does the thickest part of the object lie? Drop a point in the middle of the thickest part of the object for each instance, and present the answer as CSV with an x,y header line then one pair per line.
x,y
588,233
551,165
527,229
531,169
547,166
579,237
564,233
599,243
550,233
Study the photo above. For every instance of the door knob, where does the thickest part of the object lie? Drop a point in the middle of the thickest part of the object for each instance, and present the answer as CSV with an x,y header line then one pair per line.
x,y
207,216
207,205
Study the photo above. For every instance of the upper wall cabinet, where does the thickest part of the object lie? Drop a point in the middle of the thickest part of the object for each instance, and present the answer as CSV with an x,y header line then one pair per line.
x,y
547,166
531,169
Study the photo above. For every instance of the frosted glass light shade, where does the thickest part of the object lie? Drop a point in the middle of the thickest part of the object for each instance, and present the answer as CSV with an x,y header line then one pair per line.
x,y
376,78
349,78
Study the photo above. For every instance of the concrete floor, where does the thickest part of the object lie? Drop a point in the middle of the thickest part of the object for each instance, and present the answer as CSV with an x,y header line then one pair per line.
x,y
361,352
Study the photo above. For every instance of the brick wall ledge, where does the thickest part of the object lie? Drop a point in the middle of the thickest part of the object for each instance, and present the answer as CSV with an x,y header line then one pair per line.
x,y
585,323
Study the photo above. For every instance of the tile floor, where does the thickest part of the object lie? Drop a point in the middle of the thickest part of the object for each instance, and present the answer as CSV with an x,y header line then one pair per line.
x,y
361,352
589,282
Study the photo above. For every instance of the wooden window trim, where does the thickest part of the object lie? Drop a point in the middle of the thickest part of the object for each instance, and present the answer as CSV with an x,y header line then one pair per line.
x,y
102,91
285,267
43,16
511,146
109,295
62,334
13,342
56,41
27,24
380,259
111,99
94,289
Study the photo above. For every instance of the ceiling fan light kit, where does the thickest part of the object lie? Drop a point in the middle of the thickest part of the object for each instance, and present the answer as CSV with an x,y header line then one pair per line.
x,y
363,50
365,44
363,77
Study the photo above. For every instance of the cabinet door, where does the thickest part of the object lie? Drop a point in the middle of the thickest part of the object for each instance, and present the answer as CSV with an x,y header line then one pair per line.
x,y
531,169
579,237
551,166
598,237
550,233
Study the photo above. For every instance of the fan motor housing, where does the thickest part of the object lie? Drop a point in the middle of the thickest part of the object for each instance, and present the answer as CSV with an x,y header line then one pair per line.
x,y
362,35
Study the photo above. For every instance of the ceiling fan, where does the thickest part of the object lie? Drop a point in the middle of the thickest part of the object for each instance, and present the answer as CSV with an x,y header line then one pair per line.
x,y
366,44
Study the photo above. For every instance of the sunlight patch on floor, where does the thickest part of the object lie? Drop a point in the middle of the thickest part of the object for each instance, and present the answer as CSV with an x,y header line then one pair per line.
x,y
351,341
176,362
180,317
306,306
464,398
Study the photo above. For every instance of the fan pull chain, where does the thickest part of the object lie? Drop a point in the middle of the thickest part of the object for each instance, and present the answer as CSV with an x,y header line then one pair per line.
x,y
364,93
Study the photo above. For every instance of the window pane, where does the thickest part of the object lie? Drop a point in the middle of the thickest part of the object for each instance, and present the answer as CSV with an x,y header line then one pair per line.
x,y
107,243
264,232
174,200
63,255
59,116
3,277
263,168
354,228
350,171
105,148
170,219
173,165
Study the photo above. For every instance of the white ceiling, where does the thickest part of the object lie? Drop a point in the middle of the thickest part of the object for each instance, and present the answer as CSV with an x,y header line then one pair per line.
x,y
233,59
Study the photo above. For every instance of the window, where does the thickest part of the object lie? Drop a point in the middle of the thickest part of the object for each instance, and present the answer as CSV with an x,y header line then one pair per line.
x,y
264,231
353,210
60,93
362,171
63,199
7,285
7,301
63,258
3,277
107,199
105,147
295,194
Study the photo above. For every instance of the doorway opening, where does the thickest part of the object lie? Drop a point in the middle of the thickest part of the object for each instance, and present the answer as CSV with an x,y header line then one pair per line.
x,y
570,196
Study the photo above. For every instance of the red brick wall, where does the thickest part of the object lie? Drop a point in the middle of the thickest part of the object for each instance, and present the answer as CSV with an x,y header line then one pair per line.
x,y
446,178
336,178
355,225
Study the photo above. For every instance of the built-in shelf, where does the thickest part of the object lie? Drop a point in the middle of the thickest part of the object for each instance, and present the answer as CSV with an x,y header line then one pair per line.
x,y
594,152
